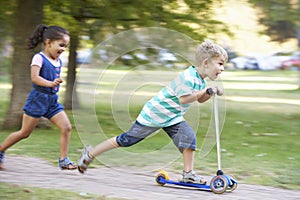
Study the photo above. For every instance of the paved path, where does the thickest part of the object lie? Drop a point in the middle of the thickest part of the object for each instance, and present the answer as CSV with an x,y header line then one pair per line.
x,y
121,183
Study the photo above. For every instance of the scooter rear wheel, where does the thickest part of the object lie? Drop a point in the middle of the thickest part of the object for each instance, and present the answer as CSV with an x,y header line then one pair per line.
x,y
161,175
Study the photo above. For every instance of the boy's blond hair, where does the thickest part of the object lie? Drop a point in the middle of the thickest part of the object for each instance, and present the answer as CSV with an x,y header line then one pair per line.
x,y
209,50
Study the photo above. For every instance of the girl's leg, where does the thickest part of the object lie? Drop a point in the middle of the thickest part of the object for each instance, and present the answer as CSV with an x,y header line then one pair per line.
x,y
28,124
62,121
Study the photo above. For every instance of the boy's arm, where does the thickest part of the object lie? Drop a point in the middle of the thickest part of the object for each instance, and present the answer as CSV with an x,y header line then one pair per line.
x,y
204,97
200,96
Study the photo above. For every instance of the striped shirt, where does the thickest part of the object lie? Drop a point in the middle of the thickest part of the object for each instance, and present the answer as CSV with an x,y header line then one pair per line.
x,y
165,109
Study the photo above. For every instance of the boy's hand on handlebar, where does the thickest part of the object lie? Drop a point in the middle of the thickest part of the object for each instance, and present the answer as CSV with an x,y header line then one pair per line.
x,y
220,91
214,90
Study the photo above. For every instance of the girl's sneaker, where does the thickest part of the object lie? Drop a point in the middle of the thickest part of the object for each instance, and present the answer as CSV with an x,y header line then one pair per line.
x,y
84,159
191,177
1,159
66,164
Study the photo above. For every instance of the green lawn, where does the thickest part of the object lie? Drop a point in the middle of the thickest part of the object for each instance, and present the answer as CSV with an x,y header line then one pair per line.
x,y
260,138
17,192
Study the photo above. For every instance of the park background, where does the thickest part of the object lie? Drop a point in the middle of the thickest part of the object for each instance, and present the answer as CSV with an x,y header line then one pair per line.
x,y
260,137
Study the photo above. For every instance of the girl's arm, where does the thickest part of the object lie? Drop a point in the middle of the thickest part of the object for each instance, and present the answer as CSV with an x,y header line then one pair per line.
x,y
38,80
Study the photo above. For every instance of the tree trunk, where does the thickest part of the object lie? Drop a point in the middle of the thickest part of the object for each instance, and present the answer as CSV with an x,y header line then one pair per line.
x,y
29,13
71,94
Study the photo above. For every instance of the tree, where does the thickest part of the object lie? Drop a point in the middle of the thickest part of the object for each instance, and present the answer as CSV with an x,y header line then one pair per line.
x,y
6,20
73,15
24,24
281,18
95,17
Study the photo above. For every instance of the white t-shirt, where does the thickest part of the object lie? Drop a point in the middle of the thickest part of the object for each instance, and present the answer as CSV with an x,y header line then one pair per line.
x,y
164,109
38,60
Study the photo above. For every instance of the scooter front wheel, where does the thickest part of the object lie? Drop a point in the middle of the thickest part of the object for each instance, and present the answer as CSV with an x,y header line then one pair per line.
x,y
218,184
232,188
232,183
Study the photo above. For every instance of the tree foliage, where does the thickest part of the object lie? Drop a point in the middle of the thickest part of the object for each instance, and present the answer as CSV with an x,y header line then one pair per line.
x,y
96,19
7,13
194,18
281,18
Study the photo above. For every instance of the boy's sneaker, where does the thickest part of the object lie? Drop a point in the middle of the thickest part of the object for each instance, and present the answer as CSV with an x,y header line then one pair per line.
x,y
1,159
84,159
66,164
191,177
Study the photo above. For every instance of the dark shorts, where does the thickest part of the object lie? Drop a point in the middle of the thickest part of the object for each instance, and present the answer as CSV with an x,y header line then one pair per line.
x,y
182,135
39,104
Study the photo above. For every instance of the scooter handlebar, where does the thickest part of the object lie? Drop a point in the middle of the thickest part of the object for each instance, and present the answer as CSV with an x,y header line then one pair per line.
x,y
215,90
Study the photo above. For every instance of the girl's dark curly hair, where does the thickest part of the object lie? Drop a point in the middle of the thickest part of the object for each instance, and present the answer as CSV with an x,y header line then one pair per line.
x,y
43,32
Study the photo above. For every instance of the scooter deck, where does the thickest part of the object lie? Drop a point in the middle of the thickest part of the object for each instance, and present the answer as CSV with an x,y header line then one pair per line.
x,y
195,185
162,180
219,184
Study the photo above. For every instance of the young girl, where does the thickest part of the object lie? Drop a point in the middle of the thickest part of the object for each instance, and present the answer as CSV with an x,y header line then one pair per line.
x,y
167,108
42,100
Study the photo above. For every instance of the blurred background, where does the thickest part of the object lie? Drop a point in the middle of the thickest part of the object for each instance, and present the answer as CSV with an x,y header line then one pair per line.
x,y
262,76
258,35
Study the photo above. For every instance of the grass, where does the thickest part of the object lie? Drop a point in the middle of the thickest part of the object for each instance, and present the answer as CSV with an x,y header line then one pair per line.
x,y
17,192
260,136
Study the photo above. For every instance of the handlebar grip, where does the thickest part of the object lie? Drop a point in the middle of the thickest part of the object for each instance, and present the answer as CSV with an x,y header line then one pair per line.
x,y
209,91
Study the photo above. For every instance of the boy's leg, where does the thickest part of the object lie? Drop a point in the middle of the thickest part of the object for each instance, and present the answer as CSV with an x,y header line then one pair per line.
x,y
90,153
184,138
137,133
182,135
102,147
188,159
188,174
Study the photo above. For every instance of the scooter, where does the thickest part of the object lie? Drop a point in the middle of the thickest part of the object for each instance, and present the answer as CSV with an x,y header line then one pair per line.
x,y
220,183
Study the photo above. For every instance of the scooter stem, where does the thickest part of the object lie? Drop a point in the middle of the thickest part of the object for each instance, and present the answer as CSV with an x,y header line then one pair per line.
x,y
216,115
